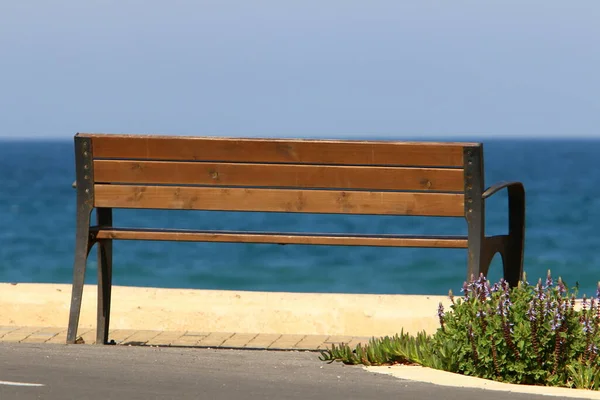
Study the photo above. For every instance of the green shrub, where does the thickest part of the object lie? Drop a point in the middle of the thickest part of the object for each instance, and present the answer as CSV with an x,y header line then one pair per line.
x,y
530,334
399,349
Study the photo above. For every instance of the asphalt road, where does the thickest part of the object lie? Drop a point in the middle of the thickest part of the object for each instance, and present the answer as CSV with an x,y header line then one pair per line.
x,y
120,372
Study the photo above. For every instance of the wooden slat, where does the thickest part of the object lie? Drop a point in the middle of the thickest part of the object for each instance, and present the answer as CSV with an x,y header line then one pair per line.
x,y
294,151
304,176
279,200
283,238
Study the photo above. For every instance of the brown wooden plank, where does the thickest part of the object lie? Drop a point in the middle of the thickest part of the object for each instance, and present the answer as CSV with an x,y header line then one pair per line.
x,y
284,238
296,151
279,200
304,176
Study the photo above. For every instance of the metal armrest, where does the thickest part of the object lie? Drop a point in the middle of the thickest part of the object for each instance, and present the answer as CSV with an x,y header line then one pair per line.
x,y
516,206
501,185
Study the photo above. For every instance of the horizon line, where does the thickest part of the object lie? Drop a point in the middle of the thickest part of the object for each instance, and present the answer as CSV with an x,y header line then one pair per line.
x,y
341,136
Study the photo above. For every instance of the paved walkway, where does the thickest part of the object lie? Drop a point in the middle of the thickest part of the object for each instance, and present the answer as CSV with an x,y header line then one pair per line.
x,y
413,380
32,334
141,373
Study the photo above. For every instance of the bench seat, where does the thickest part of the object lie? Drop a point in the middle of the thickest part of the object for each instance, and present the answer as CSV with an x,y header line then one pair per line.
x,y
182,235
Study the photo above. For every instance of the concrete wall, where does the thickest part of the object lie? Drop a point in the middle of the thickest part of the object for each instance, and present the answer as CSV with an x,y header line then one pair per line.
x,y
225,311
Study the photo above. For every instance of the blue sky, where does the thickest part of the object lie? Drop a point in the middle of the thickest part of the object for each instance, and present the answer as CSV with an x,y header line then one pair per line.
x,y
300,68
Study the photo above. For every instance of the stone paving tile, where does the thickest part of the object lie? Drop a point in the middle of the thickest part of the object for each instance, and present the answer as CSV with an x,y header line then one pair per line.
x,y
35,340
287,342
239,340
43,335
263,341
358,340
215,339
141,337
20,334
7,329
50,331
61,338
165,338
194,333
120,335
339,339
88,336
187,340
351,341
311,342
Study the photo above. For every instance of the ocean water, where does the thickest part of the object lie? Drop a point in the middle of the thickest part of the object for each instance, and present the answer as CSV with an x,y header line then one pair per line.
x,y
561,177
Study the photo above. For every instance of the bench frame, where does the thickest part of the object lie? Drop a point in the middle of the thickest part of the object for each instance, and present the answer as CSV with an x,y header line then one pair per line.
x,y
481,248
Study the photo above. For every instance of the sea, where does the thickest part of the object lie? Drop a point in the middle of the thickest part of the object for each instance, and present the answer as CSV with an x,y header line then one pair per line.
x,y
561,178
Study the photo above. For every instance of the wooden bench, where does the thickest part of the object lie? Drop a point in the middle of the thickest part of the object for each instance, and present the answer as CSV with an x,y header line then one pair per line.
x,y
276,175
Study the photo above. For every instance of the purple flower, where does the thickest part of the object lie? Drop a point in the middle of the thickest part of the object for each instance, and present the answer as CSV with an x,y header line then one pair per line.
x,y
441,311
503,306
549,281
531,312
495,288
466,289
510,327
524,279
482,287
562,289
587,327
539,291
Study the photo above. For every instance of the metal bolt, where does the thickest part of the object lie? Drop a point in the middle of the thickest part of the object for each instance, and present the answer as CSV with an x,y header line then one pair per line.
x,y
85,153
87,191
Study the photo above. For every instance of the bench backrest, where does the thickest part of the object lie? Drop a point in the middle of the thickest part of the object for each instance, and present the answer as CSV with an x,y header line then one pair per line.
x,y
278,175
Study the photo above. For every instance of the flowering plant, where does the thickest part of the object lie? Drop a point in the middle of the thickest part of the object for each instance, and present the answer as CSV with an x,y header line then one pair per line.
x,y
530,334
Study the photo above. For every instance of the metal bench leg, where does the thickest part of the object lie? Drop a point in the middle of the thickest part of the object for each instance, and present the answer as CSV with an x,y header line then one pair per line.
x,y
83,245
515,245
509,246
83,240
104,278
475,255
492,246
